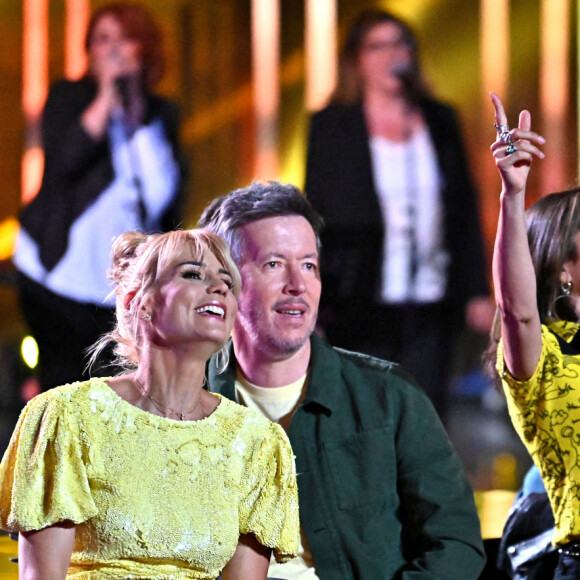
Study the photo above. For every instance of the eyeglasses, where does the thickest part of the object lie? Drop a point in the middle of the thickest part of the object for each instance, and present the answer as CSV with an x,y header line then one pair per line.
x,y
386,45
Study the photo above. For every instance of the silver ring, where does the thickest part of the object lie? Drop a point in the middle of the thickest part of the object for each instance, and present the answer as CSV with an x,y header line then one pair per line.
x,y
504,133
501,128
511,148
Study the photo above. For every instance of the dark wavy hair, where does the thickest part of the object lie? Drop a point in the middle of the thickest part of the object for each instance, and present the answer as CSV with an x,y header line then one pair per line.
x,y
140,25
349,87
552,224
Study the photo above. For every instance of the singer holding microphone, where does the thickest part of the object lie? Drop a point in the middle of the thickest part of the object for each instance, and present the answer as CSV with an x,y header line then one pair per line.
x,y
112,164
403,257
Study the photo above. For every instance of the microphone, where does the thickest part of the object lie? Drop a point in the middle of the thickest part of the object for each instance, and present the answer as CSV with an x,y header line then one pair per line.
x,y
402,71
122,86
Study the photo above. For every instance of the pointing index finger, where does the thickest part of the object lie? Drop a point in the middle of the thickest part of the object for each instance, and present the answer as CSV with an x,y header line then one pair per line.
x,y
500,116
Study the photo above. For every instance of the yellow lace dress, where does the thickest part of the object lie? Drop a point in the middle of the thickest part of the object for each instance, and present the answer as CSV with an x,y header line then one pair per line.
x,y
151,497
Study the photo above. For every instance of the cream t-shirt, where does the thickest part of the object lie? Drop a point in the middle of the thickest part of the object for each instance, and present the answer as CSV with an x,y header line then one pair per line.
x,y
278,404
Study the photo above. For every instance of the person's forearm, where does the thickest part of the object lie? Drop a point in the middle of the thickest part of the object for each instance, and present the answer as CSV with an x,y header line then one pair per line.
x,y
515,288
69,148
441,533
513,272
95,118
460,562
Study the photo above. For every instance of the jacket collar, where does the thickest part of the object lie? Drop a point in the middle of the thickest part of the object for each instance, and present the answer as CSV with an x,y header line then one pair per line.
x,y
324,375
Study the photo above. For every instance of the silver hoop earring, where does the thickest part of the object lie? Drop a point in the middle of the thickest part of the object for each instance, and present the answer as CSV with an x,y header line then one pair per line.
x,y
566,288
146,316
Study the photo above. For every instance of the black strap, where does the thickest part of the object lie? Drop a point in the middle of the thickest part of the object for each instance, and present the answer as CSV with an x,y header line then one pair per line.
x,y
569,348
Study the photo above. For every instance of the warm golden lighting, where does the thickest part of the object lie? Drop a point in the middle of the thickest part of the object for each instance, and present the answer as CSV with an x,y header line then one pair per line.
x,y
292,162
8,233
494,47
34,90
411,10
32,168
77,17
35,56
321,52
493,507
265,76
554,87
226,109
554,57
29,351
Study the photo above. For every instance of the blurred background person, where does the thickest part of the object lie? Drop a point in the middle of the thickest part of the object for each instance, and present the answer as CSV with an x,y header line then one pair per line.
x,y
112,164
403,256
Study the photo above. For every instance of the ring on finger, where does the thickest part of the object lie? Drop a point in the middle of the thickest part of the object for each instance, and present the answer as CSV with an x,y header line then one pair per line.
x,y
504,133
506,138
511,148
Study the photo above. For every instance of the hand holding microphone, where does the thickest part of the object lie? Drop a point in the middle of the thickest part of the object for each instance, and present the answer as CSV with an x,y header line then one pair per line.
x,y
118,89
122,86
117,78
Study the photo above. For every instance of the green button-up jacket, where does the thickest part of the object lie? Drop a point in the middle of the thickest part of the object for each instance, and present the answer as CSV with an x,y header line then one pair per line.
x,y
382,493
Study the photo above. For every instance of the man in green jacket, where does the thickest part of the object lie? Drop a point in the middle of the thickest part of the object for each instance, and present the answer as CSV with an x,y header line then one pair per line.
x,y
382,493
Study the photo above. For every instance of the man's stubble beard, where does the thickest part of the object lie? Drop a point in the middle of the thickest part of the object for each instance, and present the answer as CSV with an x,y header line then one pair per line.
x,y
270,342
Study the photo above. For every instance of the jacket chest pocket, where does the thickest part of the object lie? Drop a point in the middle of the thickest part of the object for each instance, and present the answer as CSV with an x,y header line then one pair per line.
x,y
363,469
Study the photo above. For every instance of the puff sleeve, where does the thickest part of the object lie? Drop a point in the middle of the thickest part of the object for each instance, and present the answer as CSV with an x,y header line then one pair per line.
x,y
270,508
43,477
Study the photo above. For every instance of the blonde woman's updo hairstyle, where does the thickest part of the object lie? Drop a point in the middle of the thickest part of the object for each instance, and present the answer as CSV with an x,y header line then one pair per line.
x,y
138,263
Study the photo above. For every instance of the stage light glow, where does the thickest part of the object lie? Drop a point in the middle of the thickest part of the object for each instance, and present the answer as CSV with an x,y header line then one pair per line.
x,y
29,351
77,17
266,80
494,47
34,90
321,53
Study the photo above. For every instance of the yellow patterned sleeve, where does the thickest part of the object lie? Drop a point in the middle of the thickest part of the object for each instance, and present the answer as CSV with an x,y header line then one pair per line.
x,y
530,391
43,478
270,508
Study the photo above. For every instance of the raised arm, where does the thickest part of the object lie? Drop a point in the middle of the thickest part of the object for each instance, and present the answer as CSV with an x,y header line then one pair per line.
x,y
45,554
513,272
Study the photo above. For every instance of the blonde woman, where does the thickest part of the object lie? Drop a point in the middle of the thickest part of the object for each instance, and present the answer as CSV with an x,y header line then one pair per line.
x,y
147,474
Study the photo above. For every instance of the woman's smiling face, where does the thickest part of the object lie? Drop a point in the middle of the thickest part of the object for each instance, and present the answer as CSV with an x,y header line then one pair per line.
x,y
194,301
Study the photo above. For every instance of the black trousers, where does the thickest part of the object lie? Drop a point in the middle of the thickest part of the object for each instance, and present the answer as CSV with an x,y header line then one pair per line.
x,y
568,568
418,337
63,329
